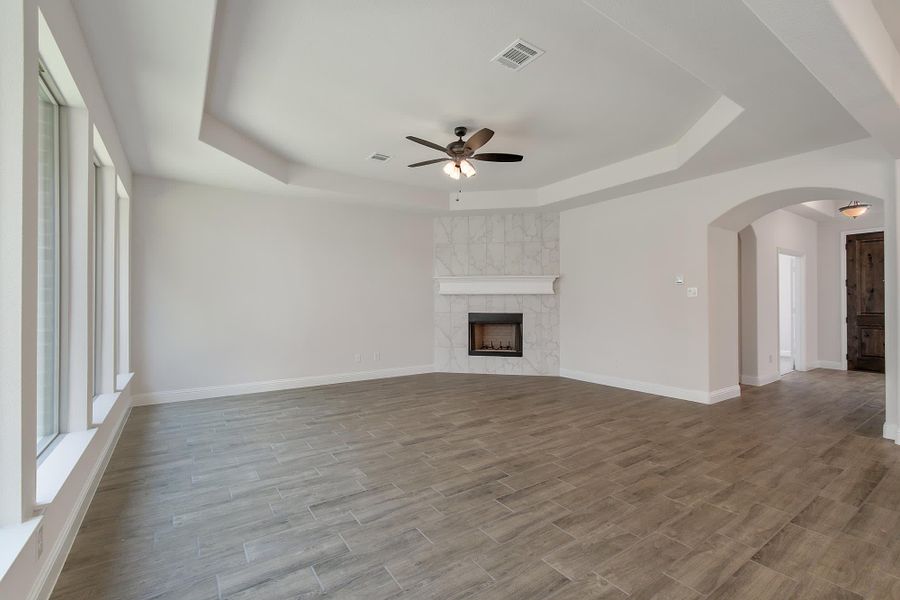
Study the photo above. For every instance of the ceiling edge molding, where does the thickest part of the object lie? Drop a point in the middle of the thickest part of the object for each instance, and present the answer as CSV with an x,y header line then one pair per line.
x,y
225,138
658,162
846,46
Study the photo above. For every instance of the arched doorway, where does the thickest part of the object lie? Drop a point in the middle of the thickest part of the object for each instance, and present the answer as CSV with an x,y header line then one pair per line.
x,y
726,321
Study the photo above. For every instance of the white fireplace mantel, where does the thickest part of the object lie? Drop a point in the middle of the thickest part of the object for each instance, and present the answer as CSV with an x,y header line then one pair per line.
x,y
496,284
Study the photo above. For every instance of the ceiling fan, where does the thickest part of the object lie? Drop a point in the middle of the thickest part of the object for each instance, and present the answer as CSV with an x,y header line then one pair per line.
x,y
461,152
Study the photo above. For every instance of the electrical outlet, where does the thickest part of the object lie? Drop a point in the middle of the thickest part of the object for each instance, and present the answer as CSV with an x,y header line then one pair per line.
x,y
357,357
39,540
692,292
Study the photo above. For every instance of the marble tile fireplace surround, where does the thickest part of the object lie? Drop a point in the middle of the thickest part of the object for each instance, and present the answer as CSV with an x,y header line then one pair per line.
x,y
490,253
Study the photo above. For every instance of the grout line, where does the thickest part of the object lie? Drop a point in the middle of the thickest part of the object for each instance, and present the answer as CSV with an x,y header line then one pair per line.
x,y
574,538
601,578
425,536
483,569
544,560
385,567
316,575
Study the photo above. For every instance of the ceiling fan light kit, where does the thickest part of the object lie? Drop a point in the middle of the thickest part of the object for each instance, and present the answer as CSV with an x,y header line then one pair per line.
x,y
461,152
452,169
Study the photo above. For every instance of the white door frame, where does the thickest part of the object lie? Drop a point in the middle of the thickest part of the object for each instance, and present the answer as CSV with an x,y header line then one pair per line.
x,y
843,286
799,298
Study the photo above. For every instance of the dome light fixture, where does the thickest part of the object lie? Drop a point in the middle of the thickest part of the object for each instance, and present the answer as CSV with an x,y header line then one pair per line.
x,y
854,209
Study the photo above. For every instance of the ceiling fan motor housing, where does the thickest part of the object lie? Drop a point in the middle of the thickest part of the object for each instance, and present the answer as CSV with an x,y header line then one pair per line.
x,y
458,149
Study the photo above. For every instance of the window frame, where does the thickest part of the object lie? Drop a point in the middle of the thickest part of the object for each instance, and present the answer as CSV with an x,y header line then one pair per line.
x,y
97,282
48,87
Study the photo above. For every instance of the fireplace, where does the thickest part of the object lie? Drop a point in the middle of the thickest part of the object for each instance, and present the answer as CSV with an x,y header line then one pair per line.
x,y
495,334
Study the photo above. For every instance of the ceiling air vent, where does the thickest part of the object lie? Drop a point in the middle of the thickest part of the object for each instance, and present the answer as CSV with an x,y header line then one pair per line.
x,y
517,55
379,157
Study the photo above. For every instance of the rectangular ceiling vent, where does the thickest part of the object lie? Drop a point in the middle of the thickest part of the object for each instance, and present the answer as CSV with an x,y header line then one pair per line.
x,y
379,157
517,55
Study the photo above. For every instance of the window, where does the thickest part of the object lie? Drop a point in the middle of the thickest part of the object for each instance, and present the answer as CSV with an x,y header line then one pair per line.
x,y
97,198
48,263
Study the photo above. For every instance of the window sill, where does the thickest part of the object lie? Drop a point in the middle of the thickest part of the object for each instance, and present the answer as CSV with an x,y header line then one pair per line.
x,y
122,380
13,539
55,469
102,405
59,464
63,457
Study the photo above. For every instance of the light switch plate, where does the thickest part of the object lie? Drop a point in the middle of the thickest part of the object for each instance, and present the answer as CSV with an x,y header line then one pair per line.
x,y
679,280
692,292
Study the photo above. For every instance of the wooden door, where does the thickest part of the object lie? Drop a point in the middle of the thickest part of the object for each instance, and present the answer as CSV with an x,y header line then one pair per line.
x,y
865,302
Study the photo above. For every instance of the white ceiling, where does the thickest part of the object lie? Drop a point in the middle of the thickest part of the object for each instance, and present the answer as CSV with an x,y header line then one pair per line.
x,y
328,83
320,85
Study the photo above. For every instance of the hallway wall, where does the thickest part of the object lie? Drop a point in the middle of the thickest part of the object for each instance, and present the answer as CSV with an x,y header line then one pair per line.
x,y
780,230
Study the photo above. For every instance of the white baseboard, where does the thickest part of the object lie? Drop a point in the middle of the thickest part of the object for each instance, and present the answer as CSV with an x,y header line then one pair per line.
x,y
830,364
754,380
726,393
49,574
700,396
274,385
890,431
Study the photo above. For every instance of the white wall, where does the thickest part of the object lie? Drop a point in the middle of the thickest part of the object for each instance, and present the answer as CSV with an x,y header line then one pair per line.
x,y
622,316
623,319
724,329
233,288
778,231
832,295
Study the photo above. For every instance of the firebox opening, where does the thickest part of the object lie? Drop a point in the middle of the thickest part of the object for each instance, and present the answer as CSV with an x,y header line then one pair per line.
x,y
495,334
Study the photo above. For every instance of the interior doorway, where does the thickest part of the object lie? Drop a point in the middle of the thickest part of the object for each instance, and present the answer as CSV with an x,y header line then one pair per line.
x,y
789,322
865,301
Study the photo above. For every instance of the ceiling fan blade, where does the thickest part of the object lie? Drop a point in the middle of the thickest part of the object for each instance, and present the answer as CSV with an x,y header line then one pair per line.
x,y
438,147
428,162
479,139
498,157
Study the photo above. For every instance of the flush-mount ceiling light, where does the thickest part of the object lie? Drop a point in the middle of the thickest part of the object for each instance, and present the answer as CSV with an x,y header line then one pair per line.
x,y
854,209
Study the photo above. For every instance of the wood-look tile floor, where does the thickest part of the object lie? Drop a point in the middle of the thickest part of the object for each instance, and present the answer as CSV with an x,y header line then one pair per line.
x,y
488,487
